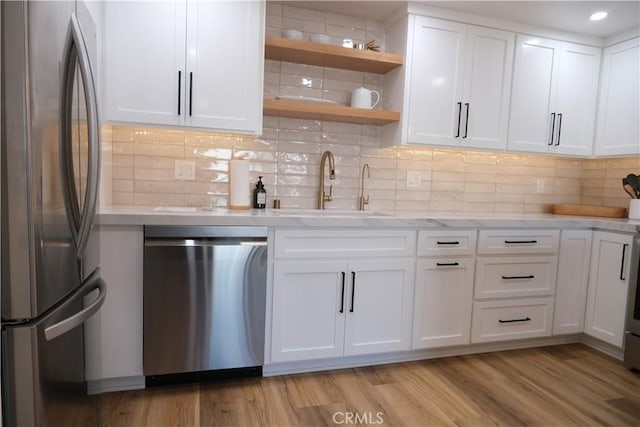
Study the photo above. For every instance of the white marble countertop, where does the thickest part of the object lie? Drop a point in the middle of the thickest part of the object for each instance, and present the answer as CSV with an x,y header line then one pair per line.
x,y
341,218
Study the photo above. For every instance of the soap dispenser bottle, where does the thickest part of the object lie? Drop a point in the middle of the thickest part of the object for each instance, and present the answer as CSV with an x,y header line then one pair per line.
x,y
259,195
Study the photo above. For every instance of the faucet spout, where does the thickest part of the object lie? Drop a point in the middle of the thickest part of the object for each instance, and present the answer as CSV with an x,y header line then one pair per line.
x,y
322,196
363,200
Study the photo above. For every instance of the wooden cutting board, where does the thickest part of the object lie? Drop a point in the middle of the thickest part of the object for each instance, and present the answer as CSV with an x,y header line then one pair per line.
x,y
586,210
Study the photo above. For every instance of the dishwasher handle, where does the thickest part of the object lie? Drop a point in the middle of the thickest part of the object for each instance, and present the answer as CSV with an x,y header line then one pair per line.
x,y
206,242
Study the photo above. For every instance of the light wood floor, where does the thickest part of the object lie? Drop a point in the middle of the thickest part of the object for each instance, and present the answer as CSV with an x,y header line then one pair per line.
x,y
569,385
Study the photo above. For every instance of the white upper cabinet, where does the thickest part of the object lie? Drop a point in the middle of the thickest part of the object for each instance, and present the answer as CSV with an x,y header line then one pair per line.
x,y
554,97
144,61
618,129
487,87
187,63
457,84
225,57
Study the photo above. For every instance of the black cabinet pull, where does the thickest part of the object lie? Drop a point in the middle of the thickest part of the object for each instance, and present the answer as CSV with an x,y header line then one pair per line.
x,y
559,128
342,293
353,289
179,90
466,125
190,91
447,264
624,250
448,243
459,116
553,128
530,276
521,242
526,319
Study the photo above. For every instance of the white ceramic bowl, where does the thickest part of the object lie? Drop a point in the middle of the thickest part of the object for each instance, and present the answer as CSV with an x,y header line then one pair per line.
x,y
292,34
319,38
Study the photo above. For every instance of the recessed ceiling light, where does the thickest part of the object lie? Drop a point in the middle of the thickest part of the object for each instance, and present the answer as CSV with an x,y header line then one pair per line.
x,y
598,16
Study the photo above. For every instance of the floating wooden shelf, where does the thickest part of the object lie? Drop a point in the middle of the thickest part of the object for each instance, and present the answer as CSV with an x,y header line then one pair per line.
x,y
326,55
330,112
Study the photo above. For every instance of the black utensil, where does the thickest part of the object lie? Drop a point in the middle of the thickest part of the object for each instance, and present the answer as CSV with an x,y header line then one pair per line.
x,y
634,182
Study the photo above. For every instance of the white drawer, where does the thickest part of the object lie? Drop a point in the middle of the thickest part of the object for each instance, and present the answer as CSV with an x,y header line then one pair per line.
x,y
518,241
500,277
332,243
448,242
511,319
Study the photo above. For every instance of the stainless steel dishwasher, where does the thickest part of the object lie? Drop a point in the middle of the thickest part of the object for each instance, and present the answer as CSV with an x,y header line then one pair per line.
x,y
204,302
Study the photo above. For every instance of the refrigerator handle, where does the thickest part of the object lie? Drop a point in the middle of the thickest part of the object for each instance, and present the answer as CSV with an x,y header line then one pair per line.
x,y
93,282
76,52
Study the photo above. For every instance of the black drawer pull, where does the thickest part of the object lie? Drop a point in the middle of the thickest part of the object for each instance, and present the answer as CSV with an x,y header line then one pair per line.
x,y
179,90
459,116
448,243
447,264
531,276
624,250
190,91
353,290
520,242
342,297
526,319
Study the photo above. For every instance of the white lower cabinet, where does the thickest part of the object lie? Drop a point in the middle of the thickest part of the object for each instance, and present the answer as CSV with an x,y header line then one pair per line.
x,y
500,276
514,287
308,310
511,319
443,297
608,286
573,277
113,336
332,308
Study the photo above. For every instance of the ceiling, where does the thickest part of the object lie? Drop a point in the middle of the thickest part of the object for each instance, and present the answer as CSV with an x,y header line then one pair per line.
x,y
571,16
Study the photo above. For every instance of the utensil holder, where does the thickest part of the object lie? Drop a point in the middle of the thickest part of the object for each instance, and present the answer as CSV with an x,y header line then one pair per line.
x,y
634,209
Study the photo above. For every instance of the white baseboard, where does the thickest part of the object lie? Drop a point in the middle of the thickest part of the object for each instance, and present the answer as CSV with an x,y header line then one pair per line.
x,y
138,382
603,347
115,384
409,356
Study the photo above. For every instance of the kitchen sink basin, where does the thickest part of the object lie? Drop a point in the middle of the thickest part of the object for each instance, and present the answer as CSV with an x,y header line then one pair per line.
x,y
345,213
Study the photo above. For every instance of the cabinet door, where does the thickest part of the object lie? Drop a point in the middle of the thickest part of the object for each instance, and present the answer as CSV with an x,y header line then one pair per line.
x,y
533,94
144,74
113,336
435,82
487,88
225,63
379,306
608,284
573,276
443,297
575,106
618,131
308,311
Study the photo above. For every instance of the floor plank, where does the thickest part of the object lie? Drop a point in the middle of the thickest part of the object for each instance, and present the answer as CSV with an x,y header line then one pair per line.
x,y
569,385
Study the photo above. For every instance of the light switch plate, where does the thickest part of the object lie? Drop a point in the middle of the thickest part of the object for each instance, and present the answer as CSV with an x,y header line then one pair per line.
x,y
185,170
540,185
414,179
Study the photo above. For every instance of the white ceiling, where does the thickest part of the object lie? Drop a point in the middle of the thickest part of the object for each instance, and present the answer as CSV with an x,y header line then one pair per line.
x,y
572,16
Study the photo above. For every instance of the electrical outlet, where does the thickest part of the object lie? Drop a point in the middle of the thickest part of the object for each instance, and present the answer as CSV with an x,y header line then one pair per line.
x,y
185,170
414,179
540,185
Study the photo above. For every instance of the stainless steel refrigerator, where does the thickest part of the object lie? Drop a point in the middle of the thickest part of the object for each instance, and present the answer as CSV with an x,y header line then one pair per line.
x,y
50,163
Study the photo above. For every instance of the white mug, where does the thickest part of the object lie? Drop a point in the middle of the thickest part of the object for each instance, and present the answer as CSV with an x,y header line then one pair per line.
x,y
634,209
361,98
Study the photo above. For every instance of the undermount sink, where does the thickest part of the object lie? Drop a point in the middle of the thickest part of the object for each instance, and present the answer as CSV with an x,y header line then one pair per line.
x,y
326,212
